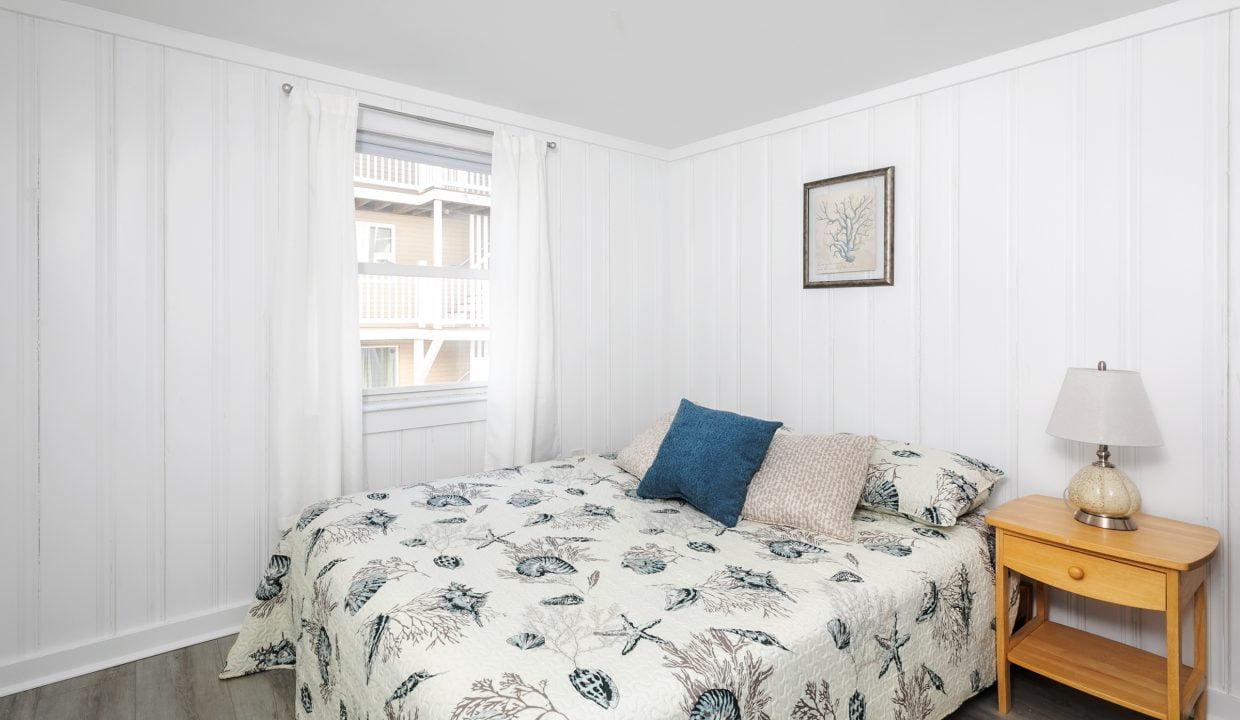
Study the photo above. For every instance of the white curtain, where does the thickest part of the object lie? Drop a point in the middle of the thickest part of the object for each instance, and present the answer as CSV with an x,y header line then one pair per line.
x,y
313,373
522,424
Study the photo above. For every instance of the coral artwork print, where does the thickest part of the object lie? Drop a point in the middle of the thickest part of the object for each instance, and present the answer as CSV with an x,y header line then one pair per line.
x,y
845,218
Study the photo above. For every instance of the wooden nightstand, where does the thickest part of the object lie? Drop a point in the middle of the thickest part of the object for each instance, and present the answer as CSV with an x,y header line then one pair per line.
x,y
1160,566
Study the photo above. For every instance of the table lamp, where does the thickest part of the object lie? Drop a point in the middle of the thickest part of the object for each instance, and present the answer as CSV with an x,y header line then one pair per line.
x,y
1107,407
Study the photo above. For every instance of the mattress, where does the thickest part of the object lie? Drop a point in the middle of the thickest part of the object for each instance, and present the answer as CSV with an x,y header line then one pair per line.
x,y
551,591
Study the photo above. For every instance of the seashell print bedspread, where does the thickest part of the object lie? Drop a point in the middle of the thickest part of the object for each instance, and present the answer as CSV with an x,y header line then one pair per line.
x,y
550,591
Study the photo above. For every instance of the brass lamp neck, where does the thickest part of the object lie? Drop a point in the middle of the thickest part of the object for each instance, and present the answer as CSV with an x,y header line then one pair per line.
x,y
1104,457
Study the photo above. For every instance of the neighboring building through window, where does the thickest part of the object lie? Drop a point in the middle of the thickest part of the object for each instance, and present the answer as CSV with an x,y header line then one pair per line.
x,y
423,241
379,363
375,242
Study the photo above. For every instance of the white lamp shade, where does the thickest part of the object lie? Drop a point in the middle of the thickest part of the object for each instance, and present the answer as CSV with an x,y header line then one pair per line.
x,y
1107,407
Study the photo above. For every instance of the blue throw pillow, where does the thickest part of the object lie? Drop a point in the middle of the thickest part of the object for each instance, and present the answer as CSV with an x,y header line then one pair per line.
x,y
708,458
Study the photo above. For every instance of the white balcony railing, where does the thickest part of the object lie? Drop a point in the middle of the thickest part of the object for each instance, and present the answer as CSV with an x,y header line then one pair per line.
x,y
379,170
424,301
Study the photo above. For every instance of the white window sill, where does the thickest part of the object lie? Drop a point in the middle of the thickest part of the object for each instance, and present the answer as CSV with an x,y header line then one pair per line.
x,y
409,398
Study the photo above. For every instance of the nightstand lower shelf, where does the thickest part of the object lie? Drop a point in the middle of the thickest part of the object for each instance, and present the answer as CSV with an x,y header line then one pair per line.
x,y
1113,671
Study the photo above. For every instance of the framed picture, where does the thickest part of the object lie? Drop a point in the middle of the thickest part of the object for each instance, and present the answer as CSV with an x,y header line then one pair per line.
x,y
849,230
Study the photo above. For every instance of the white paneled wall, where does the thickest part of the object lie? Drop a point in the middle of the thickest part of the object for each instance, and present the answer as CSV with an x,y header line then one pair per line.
x,y
136,197
1048,216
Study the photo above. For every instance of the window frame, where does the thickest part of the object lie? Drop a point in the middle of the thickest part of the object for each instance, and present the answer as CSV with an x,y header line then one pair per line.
x,y
395,363
386,397
370,225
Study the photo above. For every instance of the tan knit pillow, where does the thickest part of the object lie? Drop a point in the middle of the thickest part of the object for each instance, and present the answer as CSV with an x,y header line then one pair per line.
x,y
637,458
812,482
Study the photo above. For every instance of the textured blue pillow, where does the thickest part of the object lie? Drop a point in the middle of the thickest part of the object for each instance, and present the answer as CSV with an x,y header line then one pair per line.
x,y
708,458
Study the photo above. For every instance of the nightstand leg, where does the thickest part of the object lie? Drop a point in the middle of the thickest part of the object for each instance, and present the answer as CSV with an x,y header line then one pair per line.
x,y
1199,647
1002,627
1174,711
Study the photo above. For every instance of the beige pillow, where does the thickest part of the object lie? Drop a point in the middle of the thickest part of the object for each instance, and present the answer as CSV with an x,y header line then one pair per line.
x,y
812,482
806,481
637,458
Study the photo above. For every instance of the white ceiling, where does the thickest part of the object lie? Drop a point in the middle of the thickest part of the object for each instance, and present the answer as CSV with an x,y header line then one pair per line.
x,y
664,72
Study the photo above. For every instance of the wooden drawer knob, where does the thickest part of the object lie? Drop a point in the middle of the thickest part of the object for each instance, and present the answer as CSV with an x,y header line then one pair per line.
x,y
1075,572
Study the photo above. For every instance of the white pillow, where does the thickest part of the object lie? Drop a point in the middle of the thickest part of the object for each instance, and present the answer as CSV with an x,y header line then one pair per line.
x,y
933,487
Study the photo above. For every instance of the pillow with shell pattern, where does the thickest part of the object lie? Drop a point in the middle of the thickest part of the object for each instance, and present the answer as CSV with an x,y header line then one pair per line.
x,y
931,486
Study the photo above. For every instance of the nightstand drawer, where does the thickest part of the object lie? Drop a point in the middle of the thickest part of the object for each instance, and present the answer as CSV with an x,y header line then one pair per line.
x,y
1085,574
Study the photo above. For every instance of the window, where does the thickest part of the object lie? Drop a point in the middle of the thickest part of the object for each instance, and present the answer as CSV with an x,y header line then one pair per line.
x,y
376,242
423,212
379,366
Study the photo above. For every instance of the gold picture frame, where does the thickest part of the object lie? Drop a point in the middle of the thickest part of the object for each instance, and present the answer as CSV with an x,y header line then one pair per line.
x,y
849,230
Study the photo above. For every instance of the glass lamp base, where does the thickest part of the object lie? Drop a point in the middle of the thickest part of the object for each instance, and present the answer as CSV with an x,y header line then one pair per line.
x,y
1106,522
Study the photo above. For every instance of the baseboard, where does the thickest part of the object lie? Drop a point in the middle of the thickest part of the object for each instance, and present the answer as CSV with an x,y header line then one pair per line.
x,y
1221,706
58,664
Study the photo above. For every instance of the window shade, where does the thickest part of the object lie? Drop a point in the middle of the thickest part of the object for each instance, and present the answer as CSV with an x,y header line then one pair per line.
x,y
407,138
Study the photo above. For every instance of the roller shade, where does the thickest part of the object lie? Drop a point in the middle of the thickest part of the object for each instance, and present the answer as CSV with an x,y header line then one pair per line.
x,y
407,138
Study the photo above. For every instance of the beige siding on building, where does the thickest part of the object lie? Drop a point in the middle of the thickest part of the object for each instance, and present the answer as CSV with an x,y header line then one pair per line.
x,y
451,364
415,236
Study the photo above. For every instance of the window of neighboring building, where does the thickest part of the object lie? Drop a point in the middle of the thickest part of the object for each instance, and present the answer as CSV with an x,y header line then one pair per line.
x,y
379,366
423,214
376,242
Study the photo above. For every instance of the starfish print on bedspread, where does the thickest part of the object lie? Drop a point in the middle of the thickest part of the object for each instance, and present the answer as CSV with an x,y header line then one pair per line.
x,y
491,539
891,645
633,633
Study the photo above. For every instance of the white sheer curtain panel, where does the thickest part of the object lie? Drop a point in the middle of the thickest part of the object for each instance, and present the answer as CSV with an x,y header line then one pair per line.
x,y
314,374
522,423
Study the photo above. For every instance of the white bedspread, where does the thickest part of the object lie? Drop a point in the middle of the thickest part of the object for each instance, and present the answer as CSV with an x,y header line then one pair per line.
x,y
551,591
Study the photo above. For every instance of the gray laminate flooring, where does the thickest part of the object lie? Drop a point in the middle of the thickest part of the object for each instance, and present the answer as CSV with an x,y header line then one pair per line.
x,y
182,685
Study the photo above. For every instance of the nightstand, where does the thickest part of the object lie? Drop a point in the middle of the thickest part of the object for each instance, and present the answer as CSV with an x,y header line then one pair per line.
x,y
1159,566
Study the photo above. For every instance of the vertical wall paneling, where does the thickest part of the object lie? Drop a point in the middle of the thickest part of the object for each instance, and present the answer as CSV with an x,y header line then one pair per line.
x,y
934,241
622,338
784,198
817,372
11,420
726,254
847,369
892,408
221,341
598,351
1226,621
105,331
156,455
753,279
18,314
649,251
1048,216
190,343
133,476
674,286
240,159
980,227
1215,459
68,328
571,160
703,273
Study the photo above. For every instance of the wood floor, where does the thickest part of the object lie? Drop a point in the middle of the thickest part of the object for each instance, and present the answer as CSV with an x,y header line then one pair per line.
x,y
182,685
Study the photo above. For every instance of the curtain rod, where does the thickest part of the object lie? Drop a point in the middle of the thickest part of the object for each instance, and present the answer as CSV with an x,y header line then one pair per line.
x,y
288,88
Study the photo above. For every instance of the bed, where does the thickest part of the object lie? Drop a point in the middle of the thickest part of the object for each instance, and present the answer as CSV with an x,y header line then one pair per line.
x,y
551,591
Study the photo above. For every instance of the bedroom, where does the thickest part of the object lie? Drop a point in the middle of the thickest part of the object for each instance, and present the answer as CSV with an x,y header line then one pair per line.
x,y
1059,195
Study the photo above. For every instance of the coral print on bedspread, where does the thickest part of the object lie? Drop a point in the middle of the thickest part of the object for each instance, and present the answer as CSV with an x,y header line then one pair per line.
x,y
552,591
